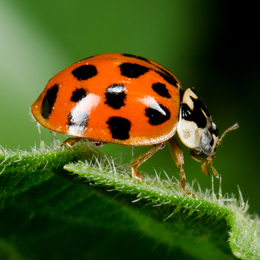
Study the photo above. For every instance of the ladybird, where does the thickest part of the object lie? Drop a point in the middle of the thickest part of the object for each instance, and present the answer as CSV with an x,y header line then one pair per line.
x,y
128,100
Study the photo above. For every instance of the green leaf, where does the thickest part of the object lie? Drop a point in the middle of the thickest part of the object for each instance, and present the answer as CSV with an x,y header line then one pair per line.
x,y
99,212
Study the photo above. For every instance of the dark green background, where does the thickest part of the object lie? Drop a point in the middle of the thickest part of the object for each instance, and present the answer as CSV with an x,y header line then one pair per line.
x,y
212,46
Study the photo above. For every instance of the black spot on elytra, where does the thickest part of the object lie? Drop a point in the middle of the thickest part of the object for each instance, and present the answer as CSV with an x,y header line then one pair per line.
x,y
156,117
78,94
79,119
85,72
167,76
196,115
136,57
161,90
119,127
132,70
49,100
115,96
162,72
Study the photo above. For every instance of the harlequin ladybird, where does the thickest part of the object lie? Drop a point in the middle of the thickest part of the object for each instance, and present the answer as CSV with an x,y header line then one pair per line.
x,y
128,100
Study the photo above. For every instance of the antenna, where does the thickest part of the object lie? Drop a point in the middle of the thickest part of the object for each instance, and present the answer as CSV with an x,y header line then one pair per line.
x,y
231,128
210,158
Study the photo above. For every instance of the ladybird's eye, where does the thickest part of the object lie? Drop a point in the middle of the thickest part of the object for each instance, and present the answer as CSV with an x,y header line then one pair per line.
x,y
215,134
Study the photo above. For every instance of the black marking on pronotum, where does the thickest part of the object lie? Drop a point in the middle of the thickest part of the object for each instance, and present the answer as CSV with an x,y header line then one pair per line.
x,y
161,89
136,57
156,117
49,100
78,119
132,70
85,72
78,94
119,127
115,96
196,115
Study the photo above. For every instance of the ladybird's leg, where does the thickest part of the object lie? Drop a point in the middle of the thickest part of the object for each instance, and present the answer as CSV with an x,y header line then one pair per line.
x,y
177,155
71,141
195,156
97,143
141,159
204,167
209,160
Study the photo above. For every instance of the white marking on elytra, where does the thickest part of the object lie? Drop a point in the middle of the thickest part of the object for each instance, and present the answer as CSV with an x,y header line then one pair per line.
x,y
80,113
152,103
116,89
78,120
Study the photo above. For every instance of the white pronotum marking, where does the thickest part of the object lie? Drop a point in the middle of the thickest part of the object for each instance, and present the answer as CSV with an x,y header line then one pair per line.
x,y
187,98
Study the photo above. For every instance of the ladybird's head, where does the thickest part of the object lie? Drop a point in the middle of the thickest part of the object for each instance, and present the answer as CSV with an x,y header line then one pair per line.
x,y
197,131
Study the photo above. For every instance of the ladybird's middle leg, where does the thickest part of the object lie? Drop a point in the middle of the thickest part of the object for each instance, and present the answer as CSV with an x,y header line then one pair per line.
x,y
141,159
178,158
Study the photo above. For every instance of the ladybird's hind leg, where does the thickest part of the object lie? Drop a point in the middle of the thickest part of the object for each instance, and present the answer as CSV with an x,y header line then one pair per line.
x,y
141,159
71,141
178,158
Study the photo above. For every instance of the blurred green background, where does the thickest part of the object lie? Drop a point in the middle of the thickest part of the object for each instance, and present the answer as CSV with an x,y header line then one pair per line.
x,y
212,46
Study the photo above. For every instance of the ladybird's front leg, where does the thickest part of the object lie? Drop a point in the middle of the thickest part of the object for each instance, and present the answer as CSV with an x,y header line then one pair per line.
x,y
178,158
141,159
204,161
